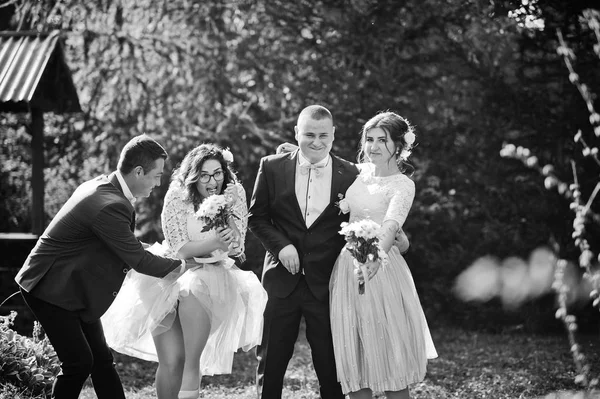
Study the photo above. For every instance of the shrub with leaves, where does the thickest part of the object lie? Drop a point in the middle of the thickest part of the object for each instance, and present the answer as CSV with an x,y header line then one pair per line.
x,y
586,216
9,391
29,365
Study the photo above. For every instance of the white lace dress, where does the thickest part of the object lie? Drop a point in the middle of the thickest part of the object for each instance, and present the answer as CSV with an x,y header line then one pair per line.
x,y
381,338
234,299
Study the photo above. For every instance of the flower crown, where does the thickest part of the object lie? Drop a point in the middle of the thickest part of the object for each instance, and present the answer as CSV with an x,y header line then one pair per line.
x,y
227,155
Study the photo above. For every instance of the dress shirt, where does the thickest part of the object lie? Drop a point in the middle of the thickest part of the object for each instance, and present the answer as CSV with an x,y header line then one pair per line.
x,y
313,189
125,188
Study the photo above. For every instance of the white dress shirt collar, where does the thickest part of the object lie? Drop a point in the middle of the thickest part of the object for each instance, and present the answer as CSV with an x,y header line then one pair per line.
x,y
303,161
125,187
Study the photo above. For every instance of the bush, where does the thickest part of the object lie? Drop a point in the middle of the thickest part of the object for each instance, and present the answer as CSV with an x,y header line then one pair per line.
x,y
9,391
28,366
581,194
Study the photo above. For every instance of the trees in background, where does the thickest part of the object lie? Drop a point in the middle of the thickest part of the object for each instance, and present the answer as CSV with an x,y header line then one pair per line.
x,y
467,74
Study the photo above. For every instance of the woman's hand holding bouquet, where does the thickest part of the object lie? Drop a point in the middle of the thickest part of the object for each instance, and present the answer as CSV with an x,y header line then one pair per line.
x,y
363,244
231,195
216,213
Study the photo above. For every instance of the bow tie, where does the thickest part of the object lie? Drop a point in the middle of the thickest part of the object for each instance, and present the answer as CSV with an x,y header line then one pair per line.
x,y
317,169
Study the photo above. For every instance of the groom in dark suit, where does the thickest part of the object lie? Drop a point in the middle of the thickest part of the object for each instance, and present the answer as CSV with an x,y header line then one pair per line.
x,y
76,268
293,214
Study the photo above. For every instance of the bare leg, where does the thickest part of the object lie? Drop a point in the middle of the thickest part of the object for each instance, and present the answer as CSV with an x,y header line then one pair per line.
x,y
195,324
403,394
365,393
171,357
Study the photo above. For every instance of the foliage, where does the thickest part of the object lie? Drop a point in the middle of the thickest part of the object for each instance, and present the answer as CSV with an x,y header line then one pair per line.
x,y
140,67
28,366
238,72
587,219
9,391
15,175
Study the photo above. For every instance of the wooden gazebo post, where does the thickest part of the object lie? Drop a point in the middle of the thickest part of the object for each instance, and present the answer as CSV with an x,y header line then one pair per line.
x,y
37,172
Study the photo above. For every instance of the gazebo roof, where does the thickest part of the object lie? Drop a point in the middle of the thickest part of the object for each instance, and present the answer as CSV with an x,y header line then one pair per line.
x,y
34,74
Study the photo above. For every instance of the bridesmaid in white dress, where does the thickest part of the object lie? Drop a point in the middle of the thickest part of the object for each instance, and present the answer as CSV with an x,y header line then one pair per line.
x,y
194,323
381,338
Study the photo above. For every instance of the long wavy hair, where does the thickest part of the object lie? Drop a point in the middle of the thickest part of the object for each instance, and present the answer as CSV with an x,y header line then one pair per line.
x,y
188,172
396,127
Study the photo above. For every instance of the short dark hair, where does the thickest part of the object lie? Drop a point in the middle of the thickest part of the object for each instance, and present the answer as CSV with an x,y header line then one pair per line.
x,y
141,151
316,112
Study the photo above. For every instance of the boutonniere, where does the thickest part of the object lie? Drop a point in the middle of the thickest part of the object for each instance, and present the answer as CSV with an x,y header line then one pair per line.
x,y
342,204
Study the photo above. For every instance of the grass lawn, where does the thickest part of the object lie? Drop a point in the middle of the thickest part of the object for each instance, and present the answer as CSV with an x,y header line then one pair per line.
x,y
471,365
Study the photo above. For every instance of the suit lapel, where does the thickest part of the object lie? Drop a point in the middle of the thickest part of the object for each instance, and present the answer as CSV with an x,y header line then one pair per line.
x,y
337,175
289,176
132,225
337,178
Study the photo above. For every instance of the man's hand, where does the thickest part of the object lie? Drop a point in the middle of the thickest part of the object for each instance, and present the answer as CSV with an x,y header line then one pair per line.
x,y
286,147
401,241
289,258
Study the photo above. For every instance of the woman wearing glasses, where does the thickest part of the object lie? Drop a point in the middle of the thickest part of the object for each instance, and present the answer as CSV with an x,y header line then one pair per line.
x,y
194,323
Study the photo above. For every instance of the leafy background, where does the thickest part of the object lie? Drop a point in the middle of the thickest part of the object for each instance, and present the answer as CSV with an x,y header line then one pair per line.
x,y
470,75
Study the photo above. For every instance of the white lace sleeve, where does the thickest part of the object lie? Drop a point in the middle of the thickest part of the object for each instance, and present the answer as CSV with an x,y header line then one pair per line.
x,y
174,219
240,210
402,194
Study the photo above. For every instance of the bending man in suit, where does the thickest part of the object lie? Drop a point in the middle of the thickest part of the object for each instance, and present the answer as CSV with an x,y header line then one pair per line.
x,y
292,213
78,264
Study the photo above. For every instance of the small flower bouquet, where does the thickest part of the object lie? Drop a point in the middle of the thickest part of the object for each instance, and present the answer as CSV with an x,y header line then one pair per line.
x,y
363,244
215,211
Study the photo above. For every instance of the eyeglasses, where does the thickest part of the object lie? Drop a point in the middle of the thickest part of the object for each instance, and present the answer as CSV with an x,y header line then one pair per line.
x,y
218,176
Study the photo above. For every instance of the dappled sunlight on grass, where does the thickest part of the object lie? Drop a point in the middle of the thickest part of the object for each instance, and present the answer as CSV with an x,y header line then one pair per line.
x,y
516,365
471,365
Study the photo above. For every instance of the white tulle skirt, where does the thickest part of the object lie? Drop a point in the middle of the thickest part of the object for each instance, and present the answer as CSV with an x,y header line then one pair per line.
x,y
145,306
381,339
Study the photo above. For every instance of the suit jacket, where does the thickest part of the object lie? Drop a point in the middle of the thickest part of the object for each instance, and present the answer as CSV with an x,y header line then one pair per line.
x,y
81,259
276,220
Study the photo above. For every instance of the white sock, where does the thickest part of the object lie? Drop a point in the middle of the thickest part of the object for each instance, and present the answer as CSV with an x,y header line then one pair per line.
x,y
188,394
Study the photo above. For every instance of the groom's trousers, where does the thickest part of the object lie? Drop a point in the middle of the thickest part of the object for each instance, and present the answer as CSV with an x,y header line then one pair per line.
x,y
281,326
81,348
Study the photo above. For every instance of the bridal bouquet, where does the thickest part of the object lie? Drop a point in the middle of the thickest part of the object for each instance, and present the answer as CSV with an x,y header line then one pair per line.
x,y
363,244
215,211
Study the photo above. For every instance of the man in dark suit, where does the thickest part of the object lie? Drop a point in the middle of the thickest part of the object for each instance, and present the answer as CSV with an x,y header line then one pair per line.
x,y
293,214
78,264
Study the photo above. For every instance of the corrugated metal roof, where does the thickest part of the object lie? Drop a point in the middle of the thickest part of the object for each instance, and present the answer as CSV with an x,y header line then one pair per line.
x,y
24,60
